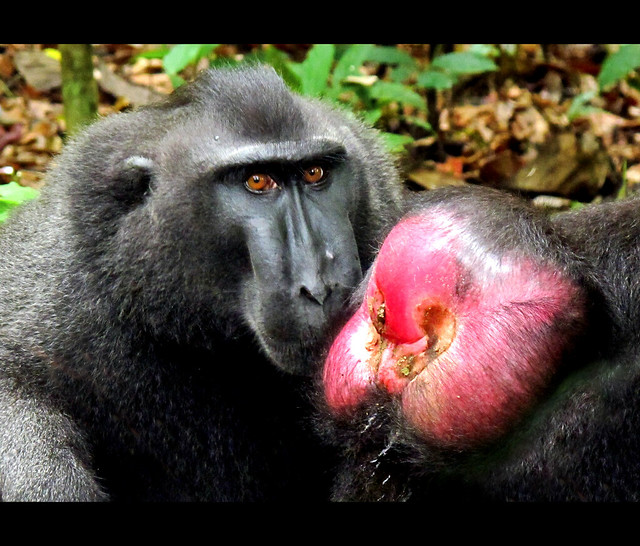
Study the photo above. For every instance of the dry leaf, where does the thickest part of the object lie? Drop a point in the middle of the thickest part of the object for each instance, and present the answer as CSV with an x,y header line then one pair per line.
x,y
530,125
430,178
38,69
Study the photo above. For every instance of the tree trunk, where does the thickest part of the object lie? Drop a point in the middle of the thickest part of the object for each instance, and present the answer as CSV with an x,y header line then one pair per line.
x,y
79,89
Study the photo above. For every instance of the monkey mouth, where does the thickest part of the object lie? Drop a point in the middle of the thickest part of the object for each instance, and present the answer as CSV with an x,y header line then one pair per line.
x,y
301,356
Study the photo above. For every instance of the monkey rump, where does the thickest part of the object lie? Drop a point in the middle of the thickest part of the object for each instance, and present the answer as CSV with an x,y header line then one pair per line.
x,y
460,333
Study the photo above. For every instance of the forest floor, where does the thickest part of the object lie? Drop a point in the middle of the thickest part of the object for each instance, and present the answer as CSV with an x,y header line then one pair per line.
x,y
513,129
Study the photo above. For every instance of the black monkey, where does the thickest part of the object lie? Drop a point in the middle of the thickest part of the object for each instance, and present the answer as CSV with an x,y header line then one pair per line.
x,y
165,300
495,356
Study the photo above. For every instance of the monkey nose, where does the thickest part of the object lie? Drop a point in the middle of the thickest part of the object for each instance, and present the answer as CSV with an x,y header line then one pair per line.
x,y
317,293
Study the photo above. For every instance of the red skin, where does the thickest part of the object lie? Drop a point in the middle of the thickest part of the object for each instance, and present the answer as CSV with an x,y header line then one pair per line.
x,y
467,340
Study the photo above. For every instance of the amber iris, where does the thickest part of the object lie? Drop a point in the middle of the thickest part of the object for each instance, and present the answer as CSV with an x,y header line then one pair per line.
x,y
260,182
313,175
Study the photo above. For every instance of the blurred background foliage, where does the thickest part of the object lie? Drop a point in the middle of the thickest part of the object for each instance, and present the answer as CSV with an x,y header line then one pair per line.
x,y
558,123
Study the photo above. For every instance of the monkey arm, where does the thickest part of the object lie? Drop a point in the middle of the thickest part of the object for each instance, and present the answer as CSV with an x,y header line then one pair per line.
x,y
42,452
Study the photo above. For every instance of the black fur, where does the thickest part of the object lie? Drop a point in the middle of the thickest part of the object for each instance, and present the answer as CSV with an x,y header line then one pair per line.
x,y
154,341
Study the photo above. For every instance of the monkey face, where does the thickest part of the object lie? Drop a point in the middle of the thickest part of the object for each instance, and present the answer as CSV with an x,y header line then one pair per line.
x,y
246,211
292,215
304,260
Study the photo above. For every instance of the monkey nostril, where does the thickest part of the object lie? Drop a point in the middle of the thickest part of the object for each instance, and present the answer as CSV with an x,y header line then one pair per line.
x,y
318,295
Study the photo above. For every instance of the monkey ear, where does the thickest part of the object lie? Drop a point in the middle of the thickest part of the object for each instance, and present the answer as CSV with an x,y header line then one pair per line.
x,y
139,162
134,179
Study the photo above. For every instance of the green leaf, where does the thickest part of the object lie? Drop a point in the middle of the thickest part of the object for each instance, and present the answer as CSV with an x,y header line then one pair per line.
x,y
12,195
464,62
15,193
580,107
157,53
270,55
484,50
414,120
390,55
617,65
434,79
396,92
5,209
315,69
176,81
183,55
350,61
401,73
394,142
372,115
53,53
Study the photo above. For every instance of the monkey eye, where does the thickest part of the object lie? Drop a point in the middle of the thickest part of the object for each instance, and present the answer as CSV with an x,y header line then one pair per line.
x,y
313,174
260,182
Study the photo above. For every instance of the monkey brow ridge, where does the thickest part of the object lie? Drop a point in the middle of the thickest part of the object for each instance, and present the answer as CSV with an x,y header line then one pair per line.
x,y
287,150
